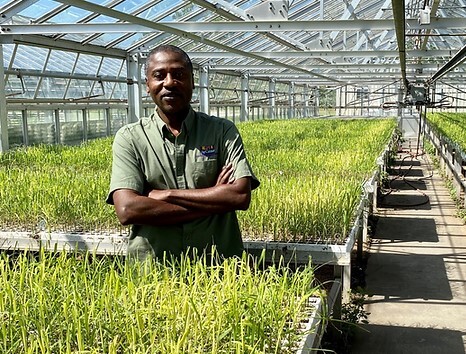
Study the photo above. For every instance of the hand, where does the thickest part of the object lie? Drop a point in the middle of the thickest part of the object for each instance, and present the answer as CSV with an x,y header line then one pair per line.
x,y
226,175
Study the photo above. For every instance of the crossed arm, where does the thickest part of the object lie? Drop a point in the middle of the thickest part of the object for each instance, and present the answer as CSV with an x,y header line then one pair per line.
x,y
174,206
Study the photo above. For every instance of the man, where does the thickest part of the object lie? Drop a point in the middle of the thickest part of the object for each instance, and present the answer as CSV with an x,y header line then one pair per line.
x,y
179,176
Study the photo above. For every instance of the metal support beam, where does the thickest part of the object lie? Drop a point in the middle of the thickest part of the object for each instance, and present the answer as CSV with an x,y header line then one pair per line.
x,y
14,8
233,26
108,122
204,89
278,55
306,101
400,23
271,93
291,112
85,113
3,111
134,89
61,44
24,126
244,115
56,116
456,60
316,101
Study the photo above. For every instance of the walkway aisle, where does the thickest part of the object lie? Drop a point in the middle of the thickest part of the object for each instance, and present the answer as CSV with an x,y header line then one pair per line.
x,y
416,270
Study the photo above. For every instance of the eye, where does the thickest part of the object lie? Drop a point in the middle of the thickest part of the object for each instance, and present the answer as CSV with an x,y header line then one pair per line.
x,y
178,75
159,75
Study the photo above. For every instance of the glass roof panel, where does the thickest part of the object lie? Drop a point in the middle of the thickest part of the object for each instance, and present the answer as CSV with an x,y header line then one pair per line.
x,y
160,7
79,89
69,15
4,2
75,37
39,8
61,61
130,6
7,53
103,19
105,38
87,64
110,67
247,4
13,86
128,42
180,13
52,87
30,84
30,57
159,11
149,13
120,91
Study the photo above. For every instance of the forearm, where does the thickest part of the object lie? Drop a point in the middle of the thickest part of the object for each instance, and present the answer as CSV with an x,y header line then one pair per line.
x,y
141,210
217,199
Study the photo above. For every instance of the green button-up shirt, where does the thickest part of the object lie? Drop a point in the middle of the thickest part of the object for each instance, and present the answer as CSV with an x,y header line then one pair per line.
x,y
146,156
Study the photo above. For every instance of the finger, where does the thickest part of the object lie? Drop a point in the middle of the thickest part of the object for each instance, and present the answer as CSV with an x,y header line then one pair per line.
x,y
225,174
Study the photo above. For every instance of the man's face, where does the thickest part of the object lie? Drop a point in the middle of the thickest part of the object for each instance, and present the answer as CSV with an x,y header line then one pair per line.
x,y
169,82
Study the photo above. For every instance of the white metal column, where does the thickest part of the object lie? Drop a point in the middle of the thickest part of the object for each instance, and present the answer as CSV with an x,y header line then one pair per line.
x,y
291,112
3,111
272,99
316,101
204,89
134,89
244,97
306,101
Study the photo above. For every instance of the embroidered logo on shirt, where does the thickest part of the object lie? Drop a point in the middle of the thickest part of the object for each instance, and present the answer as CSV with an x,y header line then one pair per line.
x,y
208,150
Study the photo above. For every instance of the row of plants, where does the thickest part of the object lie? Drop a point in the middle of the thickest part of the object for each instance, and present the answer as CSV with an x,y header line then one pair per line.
x,y
79,303
57,188
311,173
451,125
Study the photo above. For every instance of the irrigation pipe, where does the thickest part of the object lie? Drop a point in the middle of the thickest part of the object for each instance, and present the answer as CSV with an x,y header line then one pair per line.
x,y
402,176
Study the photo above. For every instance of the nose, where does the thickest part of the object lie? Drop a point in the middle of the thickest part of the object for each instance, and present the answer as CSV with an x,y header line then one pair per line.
x,y
169,80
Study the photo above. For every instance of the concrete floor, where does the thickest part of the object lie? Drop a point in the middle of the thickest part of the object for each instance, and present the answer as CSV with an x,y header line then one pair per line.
x,y
416,271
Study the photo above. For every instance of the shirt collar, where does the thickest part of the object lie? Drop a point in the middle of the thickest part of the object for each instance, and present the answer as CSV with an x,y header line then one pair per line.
x,y
185,127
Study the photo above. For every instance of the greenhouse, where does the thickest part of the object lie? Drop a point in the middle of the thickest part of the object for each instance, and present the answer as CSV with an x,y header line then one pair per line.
x,y
353,118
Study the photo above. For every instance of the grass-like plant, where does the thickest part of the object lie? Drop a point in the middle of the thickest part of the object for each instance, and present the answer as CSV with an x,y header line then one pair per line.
x,y
451,125
311,172
77,303
55,187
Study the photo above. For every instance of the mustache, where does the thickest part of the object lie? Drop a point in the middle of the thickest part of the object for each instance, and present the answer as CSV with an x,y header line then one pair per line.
x,y
171,93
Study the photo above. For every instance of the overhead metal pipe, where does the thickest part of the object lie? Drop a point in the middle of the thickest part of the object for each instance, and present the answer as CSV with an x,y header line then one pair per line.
x,y
400,23
456,60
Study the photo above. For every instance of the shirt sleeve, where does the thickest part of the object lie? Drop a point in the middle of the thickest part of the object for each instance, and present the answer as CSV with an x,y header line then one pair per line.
x,y
126,169
235,153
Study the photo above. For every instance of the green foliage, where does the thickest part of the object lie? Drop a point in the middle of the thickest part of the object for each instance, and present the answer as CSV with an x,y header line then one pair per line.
x,y
353,312
78,303
311,172
451,125
57,187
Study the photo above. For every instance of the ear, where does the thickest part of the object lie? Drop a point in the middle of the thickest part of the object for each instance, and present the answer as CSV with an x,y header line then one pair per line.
x,y
147,86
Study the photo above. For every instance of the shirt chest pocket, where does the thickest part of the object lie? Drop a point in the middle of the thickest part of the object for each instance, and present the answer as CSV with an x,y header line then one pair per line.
x,y
205,172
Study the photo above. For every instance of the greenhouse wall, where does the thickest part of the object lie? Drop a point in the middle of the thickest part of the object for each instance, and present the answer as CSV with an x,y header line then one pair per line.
x,y
73,126
62,126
